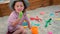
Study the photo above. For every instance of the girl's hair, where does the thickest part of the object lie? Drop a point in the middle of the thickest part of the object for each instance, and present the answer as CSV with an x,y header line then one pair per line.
x,y
19,1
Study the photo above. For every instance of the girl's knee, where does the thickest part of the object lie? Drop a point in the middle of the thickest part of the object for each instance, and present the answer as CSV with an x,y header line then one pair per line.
x,y
25,32
21,28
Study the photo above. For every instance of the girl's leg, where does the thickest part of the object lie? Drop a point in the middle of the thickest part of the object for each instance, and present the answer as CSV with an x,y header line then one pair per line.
x,y
19,30
24,32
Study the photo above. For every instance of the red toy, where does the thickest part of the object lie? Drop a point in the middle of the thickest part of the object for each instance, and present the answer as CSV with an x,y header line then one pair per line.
x,y
31,18
36,18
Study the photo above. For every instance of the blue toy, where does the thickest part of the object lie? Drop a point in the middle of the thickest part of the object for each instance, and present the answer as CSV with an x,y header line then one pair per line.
x,y
34,24
24,23
52,14
37,24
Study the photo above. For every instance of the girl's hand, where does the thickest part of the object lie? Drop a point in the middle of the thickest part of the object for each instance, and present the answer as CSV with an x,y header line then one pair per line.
x,y
21,20
30,27
16,22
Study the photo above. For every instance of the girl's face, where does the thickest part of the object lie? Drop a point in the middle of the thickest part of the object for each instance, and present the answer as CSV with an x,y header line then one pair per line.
x,y
19,6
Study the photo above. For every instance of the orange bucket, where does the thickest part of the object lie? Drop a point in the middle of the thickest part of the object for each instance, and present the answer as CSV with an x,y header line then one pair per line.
x,y
34,30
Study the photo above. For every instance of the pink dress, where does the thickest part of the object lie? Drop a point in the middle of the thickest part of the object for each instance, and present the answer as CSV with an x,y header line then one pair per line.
x,y
13,16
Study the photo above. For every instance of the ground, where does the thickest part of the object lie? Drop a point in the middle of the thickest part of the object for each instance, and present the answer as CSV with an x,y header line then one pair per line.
x,y
49,12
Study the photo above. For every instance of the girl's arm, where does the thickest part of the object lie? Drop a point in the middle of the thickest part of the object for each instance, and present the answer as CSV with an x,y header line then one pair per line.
x,y
28,21
15,22
18,21
26,18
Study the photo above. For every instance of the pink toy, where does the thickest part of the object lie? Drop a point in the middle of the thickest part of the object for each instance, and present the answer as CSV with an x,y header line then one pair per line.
x,y
38,19
57,11
42,13
56,14
50,33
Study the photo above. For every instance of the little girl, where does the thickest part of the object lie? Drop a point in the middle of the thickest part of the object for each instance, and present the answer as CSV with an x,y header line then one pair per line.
x,y
14,22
